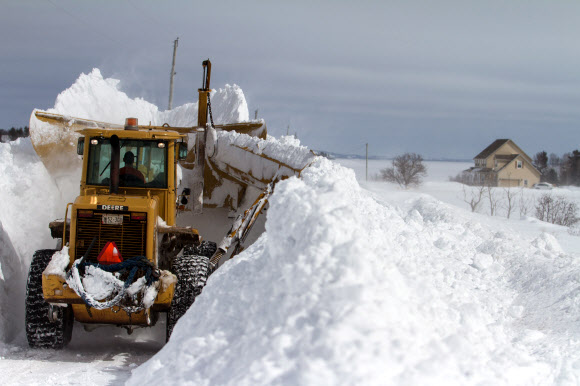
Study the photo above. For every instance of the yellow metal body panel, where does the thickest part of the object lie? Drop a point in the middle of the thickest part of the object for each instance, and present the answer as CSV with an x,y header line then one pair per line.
x,y
148,205
110,316
55,290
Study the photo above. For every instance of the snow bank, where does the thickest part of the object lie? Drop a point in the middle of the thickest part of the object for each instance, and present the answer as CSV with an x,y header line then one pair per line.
x,y
29,198
11,282
28,202
101,99
343,289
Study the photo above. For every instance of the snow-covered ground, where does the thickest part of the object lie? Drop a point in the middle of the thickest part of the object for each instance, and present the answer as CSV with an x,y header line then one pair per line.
x,y
353,282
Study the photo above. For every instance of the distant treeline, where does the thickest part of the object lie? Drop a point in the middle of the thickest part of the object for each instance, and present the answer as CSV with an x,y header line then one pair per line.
x,y
14,133
564,170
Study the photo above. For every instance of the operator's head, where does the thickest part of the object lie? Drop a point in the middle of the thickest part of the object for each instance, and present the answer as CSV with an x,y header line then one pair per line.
x,y
129,158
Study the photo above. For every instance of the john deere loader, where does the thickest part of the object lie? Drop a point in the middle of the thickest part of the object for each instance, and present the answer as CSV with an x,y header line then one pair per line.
x,y
121,257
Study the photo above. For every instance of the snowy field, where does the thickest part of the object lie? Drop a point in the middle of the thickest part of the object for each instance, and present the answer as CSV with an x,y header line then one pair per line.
x,y
353,282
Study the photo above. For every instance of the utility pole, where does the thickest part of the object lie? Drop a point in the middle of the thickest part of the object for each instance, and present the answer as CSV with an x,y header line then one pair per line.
x,y
367,168
172,74
256,114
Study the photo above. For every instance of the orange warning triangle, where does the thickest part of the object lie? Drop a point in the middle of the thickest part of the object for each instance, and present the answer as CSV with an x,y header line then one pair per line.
x,y
110,254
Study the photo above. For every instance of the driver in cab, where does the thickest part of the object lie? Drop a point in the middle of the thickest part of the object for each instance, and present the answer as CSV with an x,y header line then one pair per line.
x,y
129,169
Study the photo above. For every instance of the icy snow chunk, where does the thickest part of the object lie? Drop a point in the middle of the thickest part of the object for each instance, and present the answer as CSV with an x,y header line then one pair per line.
x,y
516,311
482,261
150,295
136,286
58,264
161,222
547,242
229,104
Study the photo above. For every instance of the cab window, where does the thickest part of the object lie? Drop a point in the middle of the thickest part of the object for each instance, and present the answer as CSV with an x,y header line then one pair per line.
x,y
143,163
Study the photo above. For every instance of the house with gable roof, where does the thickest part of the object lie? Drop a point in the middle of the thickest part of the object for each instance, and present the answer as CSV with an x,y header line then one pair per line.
x,y
503,164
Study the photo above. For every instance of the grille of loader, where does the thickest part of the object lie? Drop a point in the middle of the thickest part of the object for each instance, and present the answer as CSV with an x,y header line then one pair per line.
x,y
130,237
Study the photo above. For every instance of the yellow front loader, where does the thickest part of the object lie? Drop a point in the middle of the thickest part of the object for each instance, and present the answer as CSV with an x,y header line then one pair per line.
x,y
123,258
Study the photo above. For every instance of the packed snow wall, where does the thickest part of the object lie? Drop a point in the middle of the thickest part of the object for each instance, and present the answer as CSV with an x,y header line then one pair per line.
x,y
344,289
11,281
29,200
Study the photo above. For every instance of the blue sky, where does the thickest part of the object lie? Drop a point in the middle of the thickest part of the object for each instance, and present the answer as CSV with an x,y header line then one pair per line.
x,y
440,78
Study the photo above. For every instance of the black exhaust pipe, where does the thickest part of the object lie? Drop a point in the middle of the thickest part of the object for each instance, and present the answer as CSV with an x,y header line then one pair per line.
x,y
115,160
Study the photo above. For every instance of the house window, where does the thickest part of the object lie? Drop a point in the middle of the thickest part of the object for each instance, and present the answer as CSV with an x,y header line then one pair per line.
x,y
525,182
519,164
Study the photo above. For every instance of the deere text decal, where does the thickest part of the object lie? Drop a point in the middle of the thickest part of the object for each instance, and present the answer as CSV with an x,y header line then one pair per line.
x,y
113,207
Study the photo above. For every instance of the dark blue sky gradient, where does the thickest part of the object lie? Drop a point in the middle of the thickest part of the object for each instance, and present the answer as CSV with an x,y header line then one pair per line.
x,y
441,78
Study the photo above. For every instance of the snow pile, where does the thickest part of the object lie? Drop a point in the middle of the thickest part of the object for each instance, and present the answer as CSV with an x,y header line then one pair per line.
x,y
286,150
58,264
97,98
343,289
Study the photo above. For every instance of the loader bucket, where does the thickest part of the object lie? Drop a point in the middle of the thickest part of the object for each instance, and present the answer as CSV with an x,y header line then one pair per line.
x,y
54,140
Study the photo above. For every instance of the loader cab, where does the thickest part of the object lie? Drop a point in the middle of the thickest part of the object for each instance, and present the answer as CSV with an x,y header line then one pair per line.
x,y
155,154
145,163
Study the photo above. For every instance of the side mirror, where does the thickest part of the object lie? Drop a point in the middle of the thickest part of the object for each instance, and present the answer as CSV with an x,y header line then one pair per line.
x,y
181,150
81,146
186,192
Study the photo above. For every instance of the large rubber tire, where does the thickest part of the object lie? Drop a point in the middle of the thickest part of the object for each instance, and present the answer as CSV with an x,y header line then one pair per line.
x,y
191,272
206,248
40,330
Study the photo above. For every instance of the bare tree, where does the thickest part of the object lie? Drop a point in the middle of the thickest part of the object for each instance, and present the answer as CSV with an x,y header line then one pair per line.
x,y
408,169
474,196
510,200
525,203
557,210
493,198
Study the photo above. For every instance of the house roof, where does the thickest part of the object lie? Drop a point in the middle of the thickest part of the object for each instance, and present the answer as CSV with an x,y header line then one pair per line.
x,y
491,148
530,166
